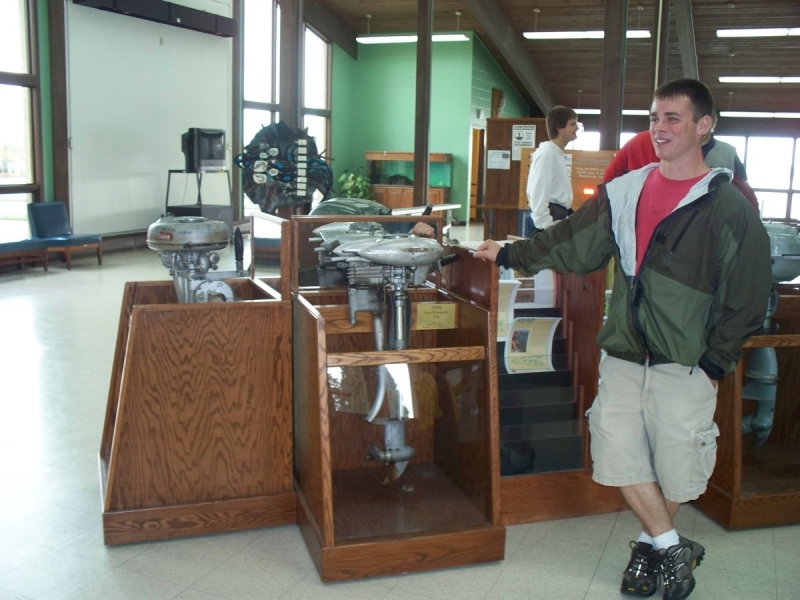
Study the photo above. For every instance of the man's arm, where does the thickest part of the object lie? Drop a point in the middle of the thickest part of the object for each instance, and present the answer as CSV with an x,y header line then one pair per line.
x,y
740,301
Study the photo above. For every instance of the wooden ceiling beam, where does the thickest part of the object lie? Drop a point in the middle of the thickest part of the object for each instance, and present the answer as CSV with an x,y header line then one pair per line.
x,y
686,42
612,91
507,40
330,26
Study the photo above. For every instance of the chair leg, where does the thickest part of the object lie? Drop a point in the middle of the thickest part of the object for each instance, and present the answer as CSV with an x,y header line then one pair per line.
x,y
68,258
44,256
99,254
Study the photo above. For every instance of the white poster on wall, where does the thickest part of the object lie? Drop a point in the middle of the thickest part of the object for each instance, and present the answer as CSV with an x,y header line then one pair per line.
x,y
498,159
522,136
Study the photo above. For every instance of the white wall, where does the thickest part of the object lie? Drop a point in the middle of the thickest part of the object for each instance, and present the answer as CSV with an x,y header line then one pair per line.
x,y
134,88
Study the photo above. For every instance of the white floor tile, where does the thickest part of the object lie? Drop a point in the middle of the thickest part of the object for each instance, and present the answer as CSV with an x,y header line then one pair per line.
x,y
183,562
123,585
246,577
52,576
283,545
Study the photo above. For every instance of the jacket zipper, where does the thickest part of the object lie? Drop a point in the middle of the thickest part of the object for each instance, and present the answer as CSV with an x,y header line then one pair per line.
x,y
636,290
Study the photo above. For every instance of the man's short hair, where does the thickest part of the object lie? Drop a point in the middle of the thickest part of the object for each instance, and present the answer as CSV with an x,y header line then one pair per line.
x,y
697,93
557,118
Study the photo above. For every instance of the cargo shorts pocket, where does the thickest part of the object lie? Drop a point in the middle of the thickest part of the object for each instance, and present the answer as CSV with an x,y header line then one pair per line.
x,y
705,454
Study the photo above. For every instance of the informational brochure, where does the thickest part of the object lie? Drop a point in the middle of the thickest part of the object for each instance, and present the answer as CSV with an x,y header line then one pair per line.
x,y
538,291
529,344
507,291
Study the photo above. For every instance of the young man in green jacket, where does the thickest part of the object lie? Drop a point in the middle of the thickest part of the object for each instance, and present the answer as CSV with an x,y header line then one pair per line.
x,y
691,283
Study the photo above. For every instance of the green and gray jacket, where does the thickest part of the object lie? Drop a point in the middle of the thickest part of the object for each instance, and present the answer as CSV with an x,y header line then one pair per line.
x,y
704,282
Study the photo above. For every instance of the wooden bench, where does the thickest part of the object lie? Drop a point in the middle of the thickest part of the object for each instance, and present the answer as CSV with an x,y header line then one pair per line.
x,y
23,251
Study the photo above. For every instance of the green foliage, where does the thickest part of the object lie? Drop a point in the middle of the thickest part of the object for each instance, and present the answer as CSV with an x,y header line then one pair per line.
x,y
354,186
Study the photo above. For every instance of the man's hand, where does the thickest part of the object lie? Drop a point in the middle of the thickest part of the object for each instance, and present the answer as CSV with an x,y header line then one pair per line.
x,y
488,250
423,230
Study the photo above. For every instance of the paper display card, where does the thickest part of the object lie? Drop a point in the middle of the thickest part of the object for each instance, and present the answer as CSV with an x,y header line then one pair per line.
x,y
539,291
498,159
529,344
507,291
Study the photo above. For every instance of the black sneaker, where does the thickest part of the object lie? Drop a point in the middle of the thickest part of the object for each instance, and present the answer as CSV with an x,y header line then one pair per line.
x,y
677,564
641,577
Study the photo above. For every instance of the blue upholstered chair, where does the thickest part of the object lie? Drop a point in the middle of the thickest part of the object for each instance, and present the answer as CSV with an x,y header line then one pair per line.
x,y
49,222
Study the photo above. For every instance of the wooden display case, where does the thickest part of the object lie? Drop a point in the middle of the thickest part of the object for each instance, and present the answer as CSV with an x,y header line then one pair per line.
x,y
444,510
558,494
759,485
198,429
391,175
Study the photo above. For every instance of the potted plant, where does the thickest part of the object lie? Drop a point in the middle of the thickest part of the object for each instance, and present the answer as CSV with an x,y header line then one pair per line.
x,y
354,186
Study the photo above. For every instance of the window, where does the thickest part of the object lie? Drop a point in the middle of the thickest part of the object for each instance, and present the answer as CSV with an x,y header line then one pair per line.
x,y
316,89
772,165
260,69
20,170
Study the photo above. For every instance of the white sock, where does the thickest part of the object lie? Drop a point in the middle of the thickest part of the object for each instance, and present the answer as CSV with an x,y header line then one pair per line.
x,y
666,540
643,537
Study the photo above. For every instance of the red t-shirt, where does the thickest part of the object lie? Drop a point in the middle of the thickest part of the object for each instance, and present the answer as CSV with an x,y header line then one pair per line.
x,y
659,198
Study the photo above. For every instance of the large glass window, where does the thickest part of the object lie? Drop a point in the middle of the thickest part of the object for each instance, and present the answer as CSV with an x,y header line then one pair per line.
x,y
316,88
19,94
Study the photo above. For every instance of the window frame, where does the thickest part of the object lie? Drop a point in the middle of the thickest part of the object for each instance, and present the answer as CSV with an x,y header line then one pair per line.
x,y
31,81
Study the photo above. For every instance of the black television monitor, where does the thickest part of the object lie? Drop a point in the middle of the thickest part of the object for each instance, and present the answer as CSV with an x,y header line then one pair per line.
x,y
204,149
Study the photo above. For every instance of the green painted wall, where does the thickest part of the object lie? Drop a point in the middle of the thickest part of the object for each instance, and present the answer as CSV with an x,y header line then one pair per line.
x,y
486,74
373,104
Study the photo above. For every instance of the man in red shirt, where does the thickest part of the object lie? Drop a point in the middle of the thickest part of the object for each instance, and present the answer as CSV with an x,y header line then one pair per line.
x,y
639,152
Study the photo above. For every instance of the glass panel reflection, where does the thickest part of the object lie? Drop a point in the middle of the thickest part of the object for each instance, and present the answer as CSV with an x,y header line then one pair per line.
x,y
14,37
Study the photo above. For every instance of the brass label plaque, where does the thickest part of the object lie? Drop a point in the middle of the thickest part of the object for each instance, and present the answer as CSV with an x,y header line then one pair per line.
x,y
436,316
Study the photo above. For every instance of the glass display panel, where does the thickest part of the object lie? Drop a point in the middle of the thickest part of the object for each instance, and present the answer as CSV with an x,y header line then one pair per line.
x,y
14,37
16,153
258,52
796,182
401,172
770,460
795,214
445,486
769,162
315,71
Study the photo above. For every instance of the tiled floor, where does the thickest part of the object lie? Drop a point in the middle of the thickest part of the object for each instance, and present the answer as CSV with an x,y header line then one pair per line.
x,y
57,334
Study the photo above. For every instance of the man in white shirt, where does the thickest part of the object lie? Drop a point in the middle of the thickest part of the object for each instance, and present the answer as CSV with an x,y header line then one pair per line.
x,y
549,191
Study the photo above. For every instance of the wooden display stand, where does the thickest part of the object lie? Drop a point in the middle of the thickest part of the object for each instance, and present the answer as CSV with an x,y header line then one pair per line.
x,y
501,206
197,436
556,495
402,196
759,486
444,510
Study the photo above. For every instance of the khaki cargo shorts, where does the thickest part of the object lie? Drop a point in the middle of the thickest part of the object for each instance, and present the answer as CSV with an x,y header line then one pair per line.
x,y
654,424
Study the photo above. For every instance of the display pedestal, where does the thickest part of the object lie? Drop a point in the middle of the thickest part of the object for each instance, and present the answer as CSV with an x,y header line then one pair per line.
x,y
532,497
752,485
198,429
443,511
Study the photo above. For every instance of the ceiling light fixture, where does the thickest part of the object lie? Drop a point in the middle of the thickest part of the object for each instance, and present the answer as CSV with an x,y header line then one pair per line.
x,y
759,79
761,32
759,115
627,111
581,35
406,39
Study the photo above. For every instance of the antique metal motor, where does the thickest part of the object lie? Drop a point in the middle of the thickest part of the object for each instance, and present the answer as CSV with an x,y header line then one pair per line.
x,y
761,378
380,268
188,247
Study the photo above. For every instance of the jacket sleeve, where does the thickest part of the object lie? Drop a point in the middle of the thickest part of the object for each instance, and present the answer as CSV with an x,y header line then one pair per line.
x,y
579,244
743,289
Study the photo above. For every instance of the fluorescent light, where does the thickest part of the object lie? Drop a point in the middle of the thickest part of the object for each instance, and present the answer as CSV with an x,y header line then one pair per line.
x,y
760,115
580,35
406,39
627,111
761,32
386,39
449,37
